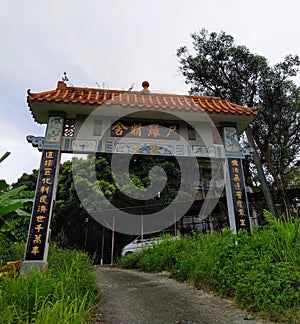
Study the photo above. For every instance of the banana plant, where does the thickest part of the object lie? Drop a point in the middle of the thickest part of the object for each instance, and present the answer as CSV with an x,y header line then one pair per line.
x,y
4,156
11,205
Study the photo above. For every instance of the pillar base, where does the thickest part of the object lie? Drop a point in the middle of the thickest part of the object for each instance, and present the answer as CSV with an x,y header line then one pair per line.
x,y
28,267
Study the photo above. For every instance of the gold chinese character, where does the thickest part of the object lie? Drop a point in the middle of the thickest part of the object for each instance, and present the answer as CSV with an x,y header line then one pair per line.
x,y
39,227
119,129
236,178
37,239
49,155
136,129
153,130
241,212
47,171
46,181
242,222
235,170
239,194
235,163
40,218
35,250
171,129
237,186
43,200
42,209
48,163
44,189
239,203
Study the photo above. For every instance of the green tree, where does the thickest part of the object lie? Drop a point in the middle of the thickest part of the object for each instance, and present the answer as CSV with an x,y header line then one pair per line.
x,y
276,131
221,68
69,213
29,180
140,168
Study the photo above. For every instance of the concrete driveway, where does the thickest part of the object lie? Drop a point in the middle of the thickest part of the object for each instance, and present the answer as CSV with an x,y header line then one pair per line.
x,y
134,297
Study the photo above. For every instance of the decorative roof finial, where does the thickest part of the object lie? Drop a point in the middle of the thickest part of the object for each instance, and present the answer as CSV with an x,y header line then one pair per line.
x,y
65,77
145,86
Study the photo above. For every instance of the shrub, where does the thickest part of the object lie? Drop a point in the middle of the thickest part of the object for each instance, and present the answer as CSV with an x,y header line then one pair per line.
x,y
272,290
130,261
162,256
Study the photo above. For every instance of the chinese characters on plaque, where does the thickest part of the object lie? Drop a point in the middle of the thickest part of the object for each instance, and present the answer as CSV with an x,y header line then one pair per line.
x,y
145,130
239,194
41,212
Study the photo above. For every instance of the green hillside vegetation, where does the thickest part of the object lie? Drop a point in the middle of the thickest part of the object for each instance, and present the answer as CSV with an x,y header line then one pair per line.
x,y
261,272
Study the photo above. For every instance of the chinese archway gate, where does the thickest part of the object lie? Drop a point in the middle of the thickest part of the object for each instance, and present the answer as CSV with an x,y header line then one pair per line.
x,y
133,122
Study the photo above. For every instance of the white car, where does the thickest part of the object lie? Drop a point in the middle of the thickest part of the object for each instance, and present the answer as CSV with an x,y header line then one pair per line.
x,y
138,244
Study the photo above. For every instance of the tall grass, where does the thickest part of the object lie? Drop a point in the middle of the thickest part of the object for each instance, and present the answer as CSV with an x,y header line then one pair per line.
x,y
284,234
65,294
260,271
10,250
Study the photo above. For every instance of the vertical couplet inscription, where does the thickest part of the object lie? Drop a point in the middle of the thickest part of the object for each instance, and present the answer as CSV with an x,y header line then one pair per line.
x,y
239,194
41,212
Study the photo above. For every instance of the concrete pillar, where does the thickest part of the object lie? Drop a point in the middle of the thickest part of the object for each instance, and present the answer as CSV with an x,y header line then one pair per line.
x,y
37,246
238,210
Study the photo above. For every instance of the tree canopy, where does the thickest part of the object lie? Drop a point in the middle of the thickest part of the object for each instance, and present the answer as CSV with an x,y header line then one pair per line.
x,y
219,67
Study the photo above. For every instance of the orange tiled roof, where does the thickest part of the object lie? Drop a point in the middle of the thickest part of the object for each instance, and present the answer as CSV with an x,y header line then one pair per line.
x,y
142,99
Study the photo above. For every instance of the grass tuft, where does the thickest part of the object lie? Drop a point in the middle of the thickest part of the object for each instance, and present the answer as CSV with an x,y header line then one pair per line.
x,y
67,293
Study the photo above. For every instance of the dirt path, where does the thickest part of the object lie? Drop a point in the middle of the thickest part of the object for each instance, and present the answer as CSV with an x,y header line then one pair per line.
x,y
134,297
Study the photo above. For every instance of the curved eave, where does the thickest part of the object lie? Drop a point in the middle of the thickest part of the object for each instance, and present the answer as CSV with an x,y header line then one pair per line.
x,y
41,111
72,101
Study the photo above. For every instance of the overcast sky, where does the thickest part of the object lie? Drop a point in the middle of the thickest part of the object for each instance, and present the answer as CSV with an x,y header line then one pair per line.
x,y
115,43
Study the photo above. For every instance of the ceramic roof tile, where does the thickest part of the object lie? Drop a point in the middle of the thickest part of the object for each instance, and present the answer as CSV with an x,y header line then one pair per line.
x,y
142,99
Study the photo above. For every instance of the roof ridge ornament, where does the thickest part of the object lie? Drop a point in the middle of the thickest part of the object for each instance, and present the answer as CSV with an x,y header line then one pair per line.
x,y
145,86
61,85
